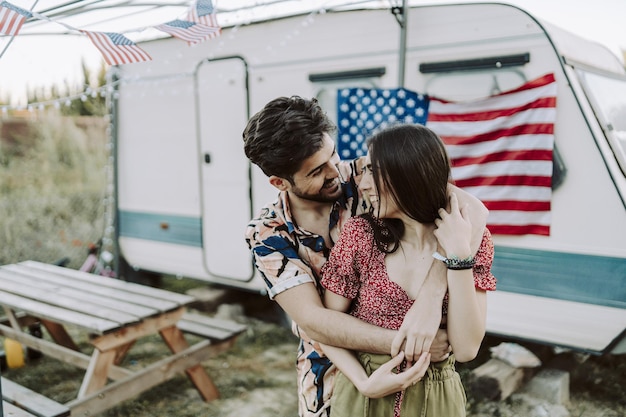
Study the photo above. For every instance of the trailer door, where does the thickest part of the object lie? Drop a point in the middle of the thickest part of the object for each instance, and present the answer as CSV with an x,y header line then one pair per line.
x,y
221,115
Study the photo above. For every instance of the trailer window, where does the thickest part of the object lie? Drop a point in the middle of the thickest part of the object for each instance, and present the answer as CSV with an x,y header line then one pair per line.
x,y
608,97
327,83
462,86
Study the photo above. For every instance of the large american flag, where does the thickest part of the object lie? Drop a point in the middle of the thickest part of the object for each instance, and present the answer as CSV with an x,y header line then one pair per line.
x,y
189,31
203,12
116,48
12,18
501,149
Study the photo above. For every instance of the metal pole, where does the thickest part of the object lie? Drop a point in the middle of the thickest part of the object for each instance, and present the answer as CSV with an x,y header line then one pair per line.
x,y
1,400
402,52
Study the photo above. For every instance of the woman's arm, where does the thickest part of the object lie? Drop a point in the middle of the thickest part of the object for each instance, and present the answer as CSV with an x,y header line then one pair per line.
x,y
467,314
383,381
420,328
466,306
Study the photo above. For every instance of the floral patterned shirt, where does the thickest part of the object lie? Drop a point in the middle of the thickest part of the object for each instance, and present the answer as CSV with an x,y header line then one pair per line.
x,y
287,256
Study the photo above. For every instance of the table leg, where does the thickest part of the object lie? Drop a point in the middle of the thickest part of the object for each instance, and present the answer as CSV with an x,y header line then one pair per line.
x,y
122,351
59,334
176,341
97,371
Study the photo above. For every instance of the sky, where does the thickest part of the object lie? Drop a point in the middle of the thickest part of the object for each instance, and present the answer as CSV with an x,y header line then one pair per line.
x,y
44,60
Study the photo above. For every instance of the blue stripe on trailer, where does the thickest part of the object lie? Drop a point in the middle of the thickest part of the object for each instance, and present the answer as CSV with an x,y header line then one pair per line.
x,y
167,228
589,279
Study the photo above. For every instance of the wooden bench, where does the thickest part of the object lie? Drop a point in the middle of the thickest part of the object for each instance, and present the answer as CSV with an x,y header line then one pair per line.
x,y
216,330
12,411
20,401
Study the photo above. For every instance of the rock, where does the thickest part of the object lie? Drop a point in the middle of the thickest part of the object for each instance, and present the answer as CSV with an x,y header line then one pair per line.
x,y
495,380
518,405
207,299
531,406
515,355
551,385
232,312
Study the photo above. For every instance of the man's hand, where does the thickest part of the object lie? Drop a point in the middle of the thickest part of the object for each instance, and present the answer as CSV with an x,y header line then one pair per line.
x,y
440,348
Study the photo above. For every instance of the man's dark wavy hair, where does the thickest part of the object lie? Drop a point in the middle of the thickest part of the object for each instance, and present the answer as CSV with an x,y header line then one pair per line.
x,y
284,133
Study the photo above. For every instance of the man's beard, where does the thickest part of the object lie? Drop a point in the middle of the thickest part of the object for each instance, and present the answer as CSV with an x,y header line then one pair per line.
x,y
322,196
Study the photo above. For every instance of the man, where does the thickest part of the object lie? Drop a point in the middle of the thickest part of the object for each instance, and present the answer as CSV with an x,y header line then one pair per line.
x,y
289,139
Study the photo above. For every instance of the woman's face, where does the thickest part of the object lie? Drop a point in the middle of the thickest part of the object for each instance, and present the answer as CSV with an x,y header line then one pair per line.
x,y
380,199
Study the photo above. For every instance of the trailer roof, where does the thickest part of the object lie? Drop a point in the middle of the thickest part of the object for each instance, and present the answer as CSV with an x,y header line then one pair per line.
x,y
136,18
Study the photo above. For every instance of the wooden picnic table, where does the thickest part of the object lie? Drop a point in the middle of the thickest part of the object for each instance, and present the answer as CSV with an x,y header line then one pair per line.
x,y
114,314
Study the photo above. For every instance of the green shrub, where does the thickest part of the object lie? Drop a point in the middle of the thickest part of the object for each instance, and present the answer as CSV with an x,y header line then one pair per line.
x,y
52,182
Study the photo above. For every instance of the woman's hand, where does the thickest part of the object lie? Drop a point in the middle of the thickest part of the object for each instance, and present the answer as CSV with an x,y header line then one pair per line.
x,y
384,381
454,230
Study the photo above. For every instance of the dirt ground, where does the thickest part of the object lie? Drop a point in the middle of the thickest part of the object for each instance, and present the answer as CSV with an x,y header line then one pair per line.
x,y
256,378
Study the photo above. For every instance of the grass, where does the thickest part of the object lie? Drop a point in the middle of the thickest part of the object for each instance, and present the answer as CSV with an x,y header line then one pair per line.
x,y
263,357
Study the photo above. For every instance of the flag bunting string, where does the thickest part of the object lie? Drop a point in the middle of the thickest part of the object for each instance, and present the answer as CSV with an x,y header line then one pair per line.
x,y
199,25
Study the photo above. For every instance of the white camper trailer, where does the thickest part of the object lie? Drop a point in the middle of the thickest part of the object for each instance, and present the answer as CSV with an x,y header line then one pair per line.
x,y
185,190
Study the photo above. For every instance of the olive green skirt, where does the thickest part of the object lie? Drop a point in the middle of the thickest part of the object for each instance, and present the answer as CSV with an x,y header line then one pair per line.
x,y
439,394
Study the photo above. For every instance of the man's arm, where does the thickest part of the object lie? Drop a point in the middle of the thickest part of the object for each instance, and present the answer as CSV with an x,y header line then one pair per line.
x,y
278,262
420,331
477,211
305,307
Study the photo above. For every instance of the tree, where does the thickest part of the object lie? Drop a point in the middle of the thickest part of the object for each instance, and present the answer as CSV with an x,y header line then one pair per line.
x,y
87,98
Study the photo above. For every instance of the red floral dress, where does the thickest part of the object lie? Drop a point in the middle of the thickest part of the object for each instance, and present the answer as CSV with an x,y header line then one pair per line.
x,y
356,270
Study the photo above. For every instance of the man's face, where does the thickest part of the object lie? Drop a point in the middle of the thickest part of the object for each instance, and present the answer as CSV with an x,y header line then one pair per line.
x,y
318,178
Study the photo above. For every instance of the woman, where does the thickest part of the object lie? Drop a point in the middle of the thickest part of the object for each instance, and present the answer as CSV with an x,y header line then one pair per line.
x,y
415,231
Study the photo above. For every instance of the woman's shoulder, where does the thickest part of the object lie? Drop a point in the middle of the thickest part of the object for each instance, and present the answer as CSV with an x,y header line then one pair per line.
x,y
360,222
358,227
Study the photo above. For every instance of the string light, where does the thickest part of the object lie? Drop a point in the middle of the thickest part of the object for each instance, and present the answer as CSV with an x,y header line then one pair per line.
x,y
56,103
157,82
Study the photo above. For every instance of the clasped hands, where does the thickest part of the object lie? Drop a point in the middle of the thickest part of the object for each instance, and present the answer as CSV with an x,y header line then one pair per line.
x,y
419,341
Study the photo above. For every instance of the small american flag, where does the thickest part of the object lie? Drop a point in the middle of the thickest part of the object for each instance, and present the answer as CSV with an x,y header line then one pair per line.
x,y
361,111
117,49
203,12
12,18
189,31
501,149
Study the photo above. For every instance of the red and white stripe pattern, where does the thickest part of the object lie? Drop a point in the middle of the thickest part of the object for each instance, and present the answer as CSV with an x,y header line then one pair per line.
x,y
203,12
501,151
189,31
116,48
12,18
